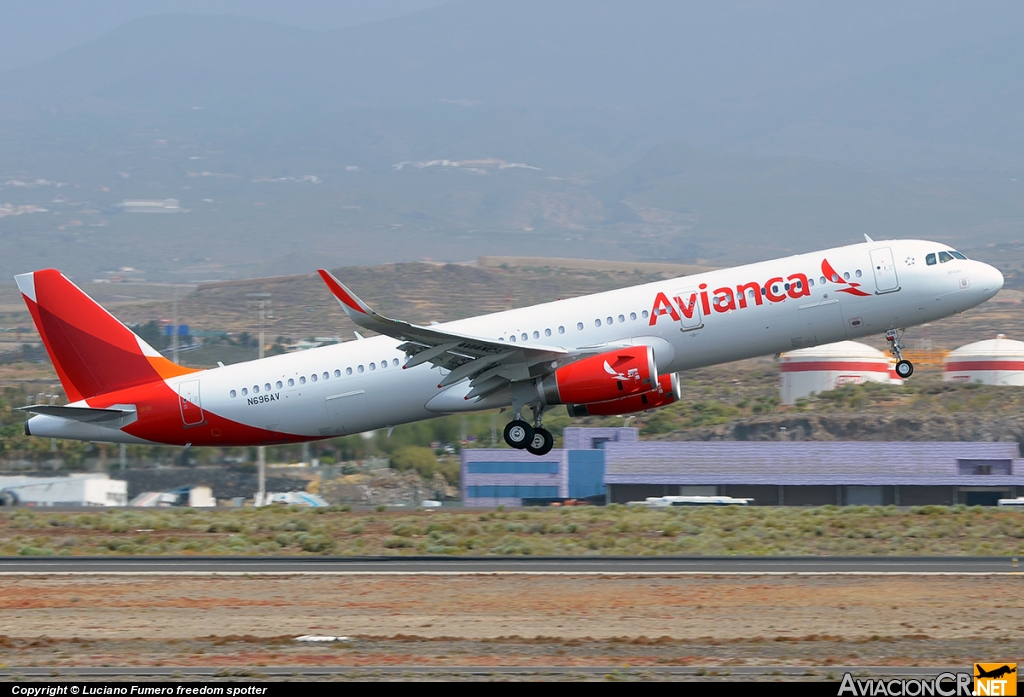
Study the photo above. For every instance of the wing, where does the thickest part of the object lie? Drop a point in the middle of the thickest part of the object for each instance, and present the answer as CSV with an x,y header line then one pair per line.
x,y
487,363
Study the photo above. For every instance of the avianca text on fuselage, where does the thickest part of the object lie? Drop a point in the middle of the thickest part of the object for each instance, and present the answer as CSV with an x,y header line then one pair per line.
x,y
722,300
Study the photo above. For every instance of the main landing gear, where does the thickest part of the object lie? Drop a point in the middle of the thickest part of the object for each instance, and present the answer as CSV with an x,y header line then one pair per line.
x,y
535,439
904,368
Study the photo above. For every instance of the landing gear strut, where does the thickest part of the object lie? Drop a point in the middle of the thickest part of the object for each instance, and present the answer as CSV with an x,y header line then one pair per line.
x,y
542,441
904,368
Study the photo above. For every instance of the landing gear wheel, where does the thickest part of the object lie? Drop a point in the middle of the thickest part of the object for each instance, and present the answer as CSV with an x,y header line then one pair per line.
x,y
904,369
518,434
541,443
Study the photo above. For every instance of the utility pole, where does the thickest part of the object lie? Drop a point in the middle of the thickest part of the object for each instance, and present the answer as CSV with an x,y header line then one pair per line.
x,y
261,302
174,327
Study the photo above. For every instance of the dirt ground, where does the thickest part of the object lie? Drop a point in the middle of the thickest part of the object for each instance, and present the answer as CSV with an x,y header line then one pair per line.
x,y
509,620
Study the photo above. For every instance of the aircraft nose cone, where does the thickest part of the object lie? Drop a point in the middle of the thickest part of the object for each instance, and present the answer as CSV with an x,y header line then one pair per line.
x,y
993,280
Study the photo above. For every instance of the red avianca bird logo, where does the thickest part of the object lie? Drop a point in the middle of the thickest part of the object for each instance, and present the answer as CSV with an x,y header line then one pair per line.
x,y
852,287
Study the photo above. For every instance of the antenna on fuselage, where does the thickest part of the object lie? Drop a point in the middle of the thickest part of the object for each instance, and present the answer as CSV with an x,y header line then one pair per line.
x,y
867,239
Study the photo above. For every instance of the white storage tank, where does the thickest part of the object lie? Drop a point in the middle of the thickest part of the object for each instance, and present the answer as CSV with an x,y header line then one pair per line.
x,y
824,368
998,361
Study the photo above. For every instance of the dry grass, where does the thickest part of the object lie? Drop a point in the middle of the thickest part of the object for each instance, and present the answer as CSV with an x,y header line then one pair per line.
x,y
615,530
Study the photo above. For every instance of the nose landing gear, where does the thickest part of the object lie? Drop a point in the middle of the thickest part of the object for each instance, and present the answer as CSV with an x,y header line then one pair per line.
x,y
904,368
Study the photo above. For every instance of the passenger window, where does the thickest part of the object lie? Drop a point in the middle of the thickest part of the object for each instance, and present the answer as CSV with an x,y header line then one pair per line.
x,y
267,387
858,274
512,338
255,389
359,368
944,257
244,391
313,377
373,366
784,285
810,282
621,318
610,321
579,326
846,275
348,371
958,255
394,362
644,314
930,260
302,380
823,280
536,335
326,375
547,332
835,278
525,336
337,373
561,330
291,382
233,394
632,315
597,323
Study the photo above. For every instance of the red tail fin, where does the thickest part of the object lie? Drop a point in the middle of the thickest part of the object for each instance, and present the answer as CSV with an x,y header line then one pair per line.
x,y
92,352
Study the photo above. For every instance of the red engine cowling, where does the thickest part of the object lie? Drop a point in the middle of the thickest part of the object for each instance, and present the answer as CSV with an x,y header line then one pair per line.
x,y
667,393
600,378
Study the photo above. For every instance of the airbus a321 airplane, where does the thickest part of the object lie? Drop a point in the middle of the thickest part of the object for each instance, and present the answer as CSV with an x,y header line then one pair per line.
x,y
610,353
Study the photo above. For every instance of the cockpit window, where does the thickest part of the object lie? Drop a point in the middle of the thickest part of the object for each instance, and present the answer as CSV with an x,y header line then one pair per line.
x,y
957,254
930,260
944,257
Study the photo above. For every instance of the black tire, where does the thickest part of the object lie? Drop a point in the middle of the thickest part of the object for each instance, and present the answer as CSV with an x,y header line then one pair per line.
x,y
518,434
8,498
541,443
904,369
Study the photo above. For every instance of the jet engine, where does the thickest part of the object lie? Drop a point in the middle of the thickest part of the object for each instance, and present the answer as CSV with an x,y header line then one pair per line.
x,y
667,393
606,376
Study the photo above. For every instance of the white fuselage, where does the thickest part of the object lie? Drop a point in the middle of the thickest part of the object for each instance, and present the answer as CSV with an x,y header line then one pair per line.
x,y
361,385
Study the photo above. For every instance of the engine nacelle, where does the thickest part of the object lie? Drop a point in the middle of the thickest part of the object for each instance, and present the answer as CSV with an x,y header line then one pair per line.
x,y
667,393
606,376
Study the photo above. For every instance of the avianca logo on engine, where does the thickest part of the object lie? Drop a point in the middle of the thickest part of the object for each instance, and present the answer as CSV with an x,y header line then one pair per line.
x,y
729,299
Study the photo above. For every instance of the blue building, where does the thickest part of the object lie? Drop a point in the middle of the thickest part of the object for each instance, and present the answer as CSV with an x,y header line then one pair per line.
x,y
493,477
613,462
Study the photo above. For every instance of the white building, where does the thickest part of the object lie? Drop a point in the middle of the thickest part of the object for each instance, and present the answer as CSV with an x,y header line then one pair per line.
x,y
998,361
823,368
96,489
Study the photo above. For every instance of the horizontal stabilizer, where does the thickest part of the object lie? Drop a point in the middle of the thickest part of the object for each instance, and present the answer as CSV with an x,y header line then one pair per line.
x,y
84,414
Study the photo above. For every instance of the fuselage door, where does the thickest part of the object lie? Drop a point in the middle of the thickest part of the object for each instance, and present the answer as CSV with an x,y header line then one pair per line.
x,y
884,269
688,302
191,407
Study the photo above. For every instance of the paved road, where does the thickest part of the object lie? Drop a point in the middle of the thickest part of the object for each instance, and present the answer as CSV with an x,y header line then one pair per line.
x,y
523,565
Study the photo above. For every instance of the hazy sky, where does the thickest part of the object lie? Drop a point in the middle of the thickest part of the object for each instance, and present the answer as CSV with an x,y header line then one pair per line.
x,y
31,30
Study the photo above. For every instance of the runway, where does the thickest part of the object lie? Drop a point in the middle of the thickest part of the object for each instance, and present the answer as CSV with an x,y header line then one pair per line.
x,y
235,673
199,566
